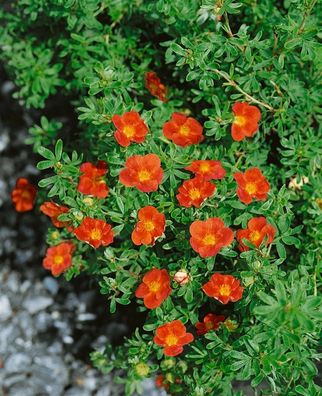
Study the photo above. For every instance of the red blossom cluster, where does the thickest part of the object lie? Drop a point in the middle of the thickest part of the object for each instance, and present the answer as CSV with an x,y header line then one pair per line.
x,y
145,173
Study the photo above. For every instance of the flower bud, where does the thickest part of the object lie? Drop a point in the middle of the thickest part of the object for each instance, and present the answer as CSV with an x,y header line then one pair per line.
x,y
78,215
181,277
230,325
54,235
169,377
142,369
167,364
88,201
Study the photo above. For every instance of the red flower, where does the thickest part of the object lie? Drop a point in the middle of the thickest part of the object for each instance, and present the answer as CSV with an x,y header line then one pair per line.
x,y
91,182
210,322
53,210
207,169
155,288
251,184
245,122
172,336
59,258
150,226
182,130
223,288
257,229
143,172
160,382
208,237
194,192
154,86
95,232
23,195
130,127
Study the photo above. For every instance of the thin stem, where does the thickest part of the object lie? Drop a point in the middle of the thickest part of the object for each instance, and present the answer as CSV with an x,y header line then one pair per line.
x,y
238,88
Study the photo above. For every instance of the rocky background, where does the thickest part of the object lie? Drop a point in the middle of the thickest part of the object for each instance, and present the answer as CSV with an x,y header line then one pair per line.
x,y
48,326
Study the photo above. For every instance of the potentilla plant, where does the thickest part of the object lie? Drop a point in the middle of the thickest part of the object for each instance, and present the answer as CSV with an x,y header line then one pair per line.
x,y
191,188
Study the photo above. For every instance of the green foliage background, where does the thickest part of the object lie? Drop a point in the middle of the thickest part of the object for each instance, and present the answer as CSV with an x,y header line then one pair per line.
x,y
93,54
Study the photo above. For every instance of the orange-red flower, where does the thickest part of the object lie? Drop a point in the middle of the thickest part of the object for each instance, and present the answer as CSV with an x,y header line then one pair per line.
x,y
150,226
245,122
207,169
143,172
91,181
257,229
130,127
182,130
194,192
95,232
210,322
172,336
53,210
59,258
23,195
160,382
209,236
223,288
154,86
251,184
155,288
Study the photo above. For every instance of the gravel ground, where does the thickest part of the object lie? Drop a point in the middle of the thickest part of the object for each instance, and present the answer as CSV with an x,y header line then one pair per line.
x,y
47,326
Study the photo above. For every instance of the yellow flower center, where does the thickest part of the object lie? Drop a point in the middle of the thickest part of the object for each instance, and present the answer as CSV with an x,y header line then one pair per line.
x,y
128,131
96,234
58,259
149,225
240,120
154,286
225,290
255,236
26,194
194,193
251,188
171,340
144,175
184,130
209,239
209,325
204,168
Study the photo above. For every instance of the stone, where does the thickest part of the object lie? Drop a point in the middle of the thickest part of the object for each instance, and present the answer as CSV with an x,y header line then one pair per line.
x,y
5,308
51,285
35,304
18,362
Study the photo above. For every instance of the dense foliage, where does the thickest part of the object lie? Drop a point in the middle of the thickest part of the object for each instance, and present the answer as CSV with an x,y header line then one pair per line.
x,y
93,56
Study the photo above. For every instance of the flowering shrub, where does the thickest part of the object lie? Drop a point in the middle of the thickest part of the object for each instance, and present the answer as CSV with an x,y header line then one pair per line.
x,y
191,185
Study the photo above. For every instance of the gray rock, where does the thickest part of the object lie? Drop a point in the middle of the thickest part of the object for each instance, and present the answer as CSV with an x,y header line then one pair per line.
x,y
35,304
19,362
51,285
45,372
11,380
75,391
103,391
5,308
4,140
22,389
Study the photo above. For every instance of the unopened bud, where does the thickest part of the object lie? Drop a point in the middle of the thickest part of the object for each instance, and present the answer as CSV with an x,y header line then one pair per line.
x,y
142,369
181,277
88,201
78,215
230,325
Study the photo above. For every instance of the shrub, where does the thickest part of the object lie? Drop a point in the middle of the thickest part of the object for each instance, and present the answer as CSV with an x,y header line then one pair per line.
x,y
170,96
